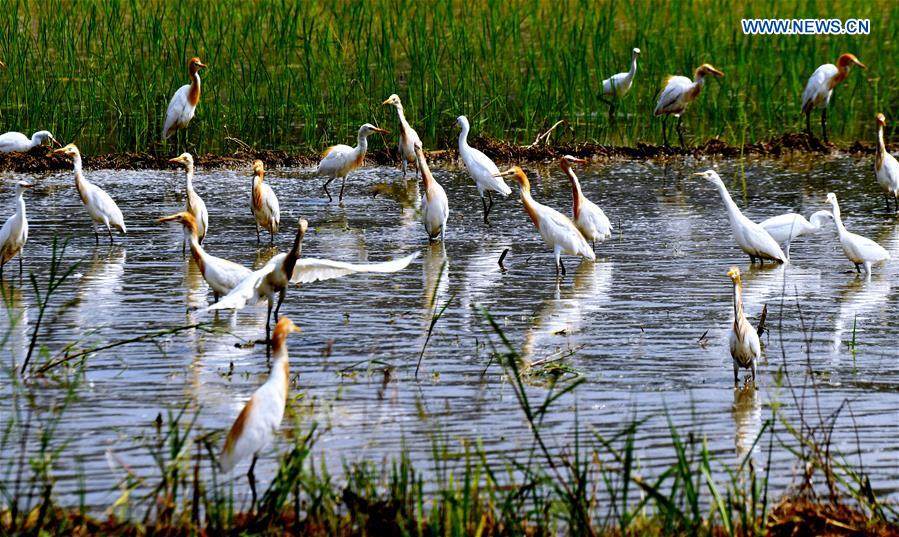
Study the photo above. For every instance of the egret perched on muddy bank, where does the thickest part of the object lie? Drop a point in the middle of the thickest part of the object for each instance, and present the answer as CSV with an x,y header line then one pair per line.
x,y
99,205
408,137
587,217
184,103
339,160
886,169
260,419
786,227
820,87
14,233
558,232
16,142
677,93
617,86
745,346
195,204
860,250
484,172
750,237
434,204
264,204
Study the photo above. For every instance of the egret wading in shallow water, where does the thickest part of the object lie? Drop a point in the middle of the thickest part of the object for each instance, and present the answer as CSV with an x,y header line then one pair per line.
x,y
16,142
750,237
484,172
195,204
587,217
617,86
264,204
860,250
786,227
886,169
558,232
14,233
221,275
745,346
99,205
339,160
184,103
677,93
408,136
820,87
434,205
260,419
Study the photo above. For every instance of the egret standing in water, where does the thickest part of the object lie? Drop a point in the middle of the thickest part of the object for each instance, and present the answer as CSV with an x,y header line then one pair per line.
x,y
786,227
745,346
195,204
16,142
557,231
820,87
434,205
14,233
184,103
339,160
264,204
260,419
886,169
484,172
750,237
860,250
408,136
617,86
587,217
677,93
99,205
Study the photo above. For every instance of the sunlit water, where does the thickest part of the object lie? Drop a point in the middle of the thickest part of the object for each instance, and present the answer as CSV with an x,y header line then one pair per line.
x,y
631,324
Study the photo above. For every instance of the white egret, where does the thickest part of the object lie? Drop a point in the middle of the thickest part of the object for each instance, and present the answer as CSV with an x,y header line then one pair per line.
x,y
408,136
99,205
14,233
16,142
195,204
745,346
339,160
786,227
820,87
558,232
750,237
484,172
677,93
886,169
264,204
617,86
260,419
860,250
434,204
184,103
593,224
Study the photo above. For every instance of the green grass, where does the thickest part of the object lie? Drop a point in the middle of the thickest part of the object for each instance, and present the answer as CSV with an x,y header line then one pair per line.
x,y
300,77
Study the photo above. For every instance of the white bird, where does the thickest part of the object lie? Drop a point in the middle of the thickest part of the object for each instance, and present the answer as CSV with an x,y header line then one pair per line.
x,y
484,172
256,425
16,142
100,207
617,86
886,169
434,205
786,227
558,232
264,204
678,92
408,136
589,219
750,237
860,250
286,268
745,347
221,275
339,160
14,233
820,87
184,103
195,204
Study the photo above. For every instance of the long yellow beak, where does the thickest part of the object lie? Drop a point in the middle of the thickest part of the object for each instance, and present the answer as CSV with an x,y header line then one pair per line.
x,y
176,159
698,174
60,151
510,171
169,218
861,65
384,131
201,65
388,101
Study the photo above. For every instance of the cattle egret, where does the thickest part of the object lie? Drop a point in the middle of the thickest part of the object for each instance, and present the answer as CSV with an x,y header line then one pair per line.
x,y
587,217
264,204
184,103
484,172
14,233
820,87
745,347
100,207
408,136
860,250
677,93
339,160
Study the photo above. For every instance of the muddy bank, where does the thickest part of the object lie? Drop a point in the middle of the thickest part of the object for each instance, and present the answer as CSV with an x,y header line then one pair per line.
x,y
39,159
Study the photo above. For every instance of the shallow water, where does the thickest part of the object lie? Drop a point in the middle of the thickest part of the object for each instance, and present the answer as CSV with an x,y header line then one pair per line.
x,y
633,322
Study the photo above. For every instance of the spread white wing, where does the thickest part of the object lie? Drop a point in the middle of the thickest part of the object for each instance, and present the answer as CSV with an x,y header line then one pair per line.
x,y
308,269
247,291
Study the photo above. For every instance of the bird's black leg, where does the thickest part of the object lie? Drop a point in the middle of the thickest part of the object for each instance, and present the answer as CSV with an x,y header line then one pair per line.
x,y
268,330
109,230
858,268
257,233
1,271
328,182
96,235
680,131
281,296
20,267
489,199
251,477
594,245
215,297
824,123
562,266
664,131
808,124
484,203
271,237
342,184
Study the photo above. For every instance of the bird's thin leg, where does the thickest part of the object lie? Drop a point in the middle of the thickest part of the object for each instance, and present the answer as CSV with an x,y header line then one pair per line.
x,y
680,131
1,271
271,236
251,477
594,245
788,250
281,296
858,268
96,235
490,199
753,372
736,374
257,233
664,131
109,230
20,267
808,123
342,184
824,123
215,296
183,249
268,330
328,182
562,266
484,203
612,108
403,159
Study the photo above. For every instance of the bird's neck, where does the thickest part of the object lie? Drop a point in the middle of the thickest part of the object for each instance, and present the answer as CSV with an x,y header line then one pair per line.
x,y
842,73
426,177
193,96
838,220
189,178
35,141
463,135
881,148
738,302
361,145
80,181
530,206
290,260
732,210
196,250
402,117
20,204
280,367
633,69
576,193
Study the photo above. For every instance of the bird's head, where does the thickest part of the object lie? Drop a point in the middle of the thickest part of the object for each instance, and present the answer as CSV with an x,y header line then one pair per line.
x,y
568,160
832,199
636,51
850,59
518,175
184,218
393,100
258,167
279,335
734,274
44,136
302,225
194,65
461,122
881,120
368,128
184,159
70,151
707,69
711,175
22,185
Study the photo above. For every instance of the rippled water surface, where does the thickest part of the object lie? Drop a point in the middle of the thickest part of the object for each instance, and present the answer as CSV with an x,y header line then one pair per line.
x,y
632,323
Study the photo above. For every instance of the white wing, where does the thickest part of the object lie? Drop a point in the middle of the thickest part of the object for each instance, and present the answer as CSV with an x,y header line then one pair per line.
x,y
308,269
786,227
13,141
105,206
816,89
336,158
484,171
247,291
179,112
671,95
616,85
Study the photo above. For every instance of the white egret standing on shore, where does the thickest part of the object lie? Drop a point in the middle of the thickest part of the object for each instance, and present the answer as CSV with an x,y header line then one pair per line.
x,y
184,103
617,86
339,160
820,87
593,224
786,227
195,204
886,169
745,346
16,142
434,204
484,172
264,204
860,250
408,137
677,93
14,233
99,205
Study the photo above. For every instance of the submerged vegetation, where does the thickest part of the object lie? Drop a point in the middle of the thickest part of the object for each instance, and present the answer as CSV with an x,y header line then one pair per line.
x,y
300,76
